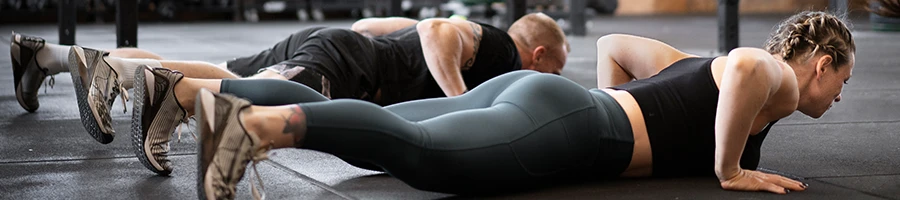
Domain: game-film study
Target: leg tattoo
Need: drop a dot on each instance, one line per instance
(295, 123)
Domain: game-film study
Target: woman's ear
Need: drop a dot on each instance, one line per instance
(823, 64)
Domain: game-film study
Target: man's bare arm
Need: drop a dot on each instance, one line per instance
(371, 27)
(442, 45)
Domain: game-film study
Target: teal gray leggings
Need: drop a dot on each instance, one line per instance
(517, 131)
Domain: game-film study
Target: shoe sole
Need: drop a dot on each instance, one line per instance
(137, 126)
(88, 118)
(20, 99)
(204, 107)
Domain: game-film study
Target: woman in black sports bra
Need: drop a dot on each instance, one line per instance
(663, 113)
(687, 109)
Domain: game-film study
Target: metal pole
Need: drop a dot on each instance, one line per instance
(728, 25)
(516, 9)
(395, 9)
(67, 20)
(576, 17)
(126, 23)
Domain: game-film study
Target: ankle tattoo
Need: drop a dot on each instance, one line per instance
(295, 123)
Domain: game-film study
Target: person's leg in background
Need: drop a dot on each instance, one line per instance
(109, 75)
(250, 66)
(103, 82)
(134, 53)
(94, 70)
(34, 59)
(99, 78)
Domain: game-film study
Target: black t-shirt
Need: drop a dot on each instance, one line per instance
(406, 76)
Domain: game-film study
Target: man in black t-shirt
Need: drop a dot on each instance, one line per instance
(401, 59)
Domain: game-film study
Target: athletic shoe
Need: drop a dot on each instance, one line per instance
(156, 115)
(225, 147)
(96, 88)
(27, 74)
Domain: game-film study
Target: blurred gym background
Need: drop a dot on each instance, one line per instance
(487, 11)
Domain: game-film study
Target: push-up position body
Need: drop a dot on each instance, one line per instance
(666, 113)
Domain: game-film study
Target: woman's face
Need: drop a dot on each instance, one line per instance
(826, 88)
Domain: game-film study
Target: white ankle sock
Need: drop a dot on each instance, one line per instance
(54, 58)
(125, 67)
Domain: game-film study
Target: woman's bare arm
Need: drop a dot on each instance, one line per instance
(751, 78)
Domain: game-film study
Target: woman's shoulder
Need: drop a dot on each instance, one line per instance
(785, 99)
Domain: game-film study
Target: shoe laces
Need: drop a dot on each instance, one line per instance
(31, 39)
(256, 183)
(260, 193)
(256, 158)
(49, 83)
(185, 122)
(122, 93)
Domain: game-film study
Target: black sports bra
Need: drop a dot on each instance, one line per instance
(679, 107)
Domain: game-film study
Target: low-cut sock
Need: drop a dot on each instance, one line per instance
(125, 68)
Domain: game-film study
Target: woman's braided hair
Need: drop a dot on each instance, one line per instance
(803, 35)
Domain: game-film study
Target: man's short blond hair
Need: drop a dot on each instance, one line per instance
(538, 29)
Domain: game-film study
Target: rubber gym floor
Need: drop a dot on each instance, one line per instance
(853, 152)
